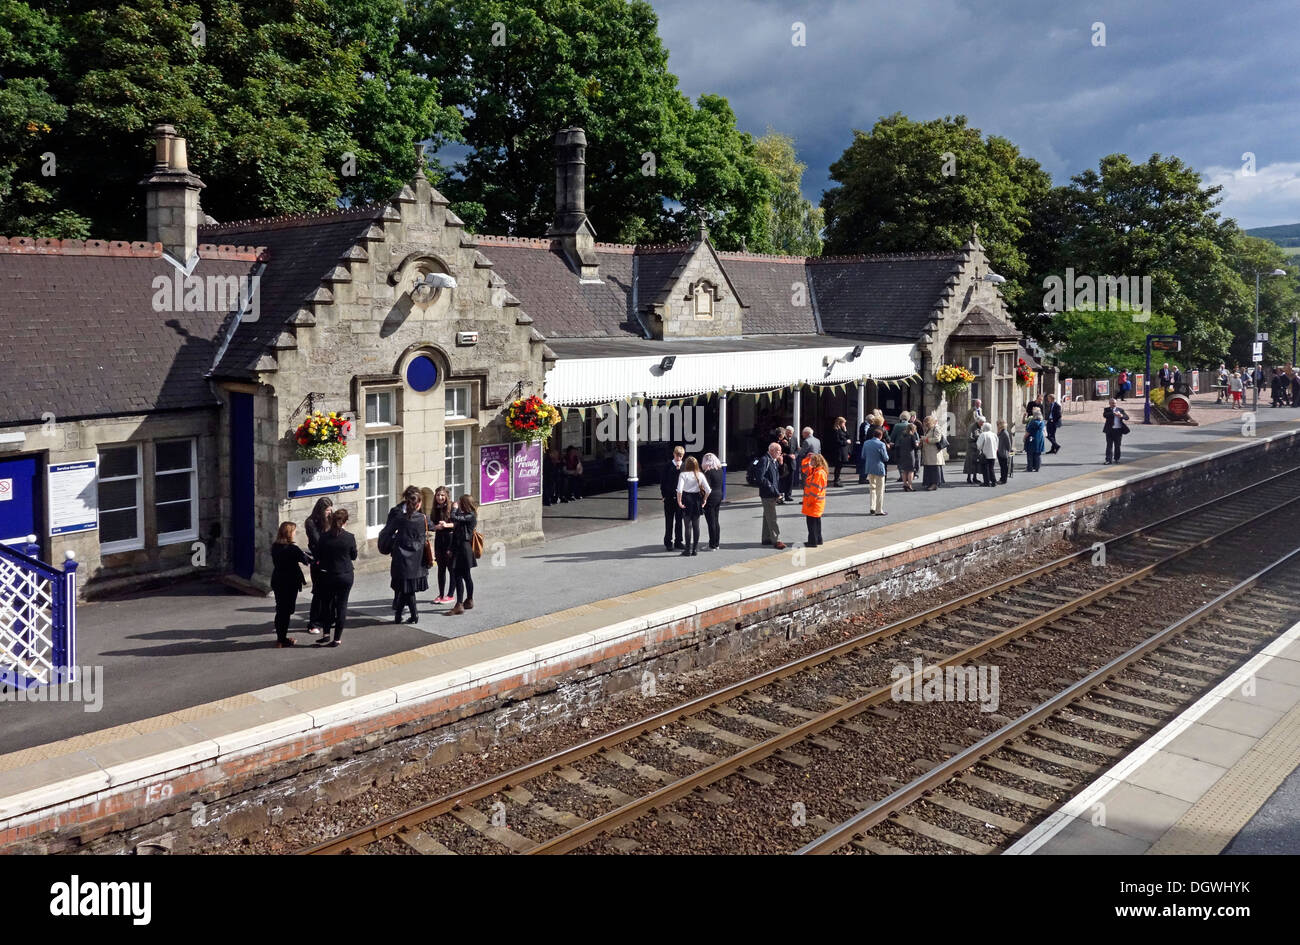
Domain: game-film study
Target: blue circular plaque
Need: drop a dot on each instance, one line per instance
(421, 373)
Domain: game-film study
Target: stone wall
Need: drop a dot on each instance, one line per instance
(676, 318)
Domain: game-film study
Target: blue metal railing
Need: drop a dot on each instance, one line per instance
(38, 618)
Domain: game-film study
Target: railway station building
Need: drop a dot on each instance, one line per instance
(151, 389)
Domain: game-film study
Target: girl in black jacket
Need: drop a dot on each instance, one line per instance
(287, 560)
(712, 467)
(316, 525)
(404, 537)
(442, 543)
(464, 519)
(338, 549)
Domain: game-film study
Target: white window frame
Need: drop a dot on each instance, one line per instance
(450, 391)
(975, 363)
(376, 524)
(466, 487)
(126, 544)
(380, 395)
(191, 533)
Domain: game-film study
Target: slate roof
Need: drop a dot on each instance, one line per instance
(885, 296)
(80, 336)
(301, 251)
(561, 305)
(981, 324)
(766, 284)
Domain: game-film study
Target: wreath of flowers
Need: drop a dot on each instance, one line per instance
(1024, 374)
(323, 436)
(953, 378)
(531, 419)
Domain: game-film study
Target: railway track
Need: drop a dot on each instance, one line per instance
(1039, 747)
(784, 717)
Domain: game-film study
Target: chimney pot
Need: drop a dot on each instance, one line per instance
(172, 212)
(571, 224)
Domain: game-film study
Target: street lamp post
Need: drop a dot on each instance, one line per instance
(1254, 341)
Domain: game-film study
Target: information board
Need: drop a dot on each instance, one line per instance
(74, 496)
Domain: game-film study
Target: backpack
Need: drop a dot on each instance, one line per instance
(752, 473)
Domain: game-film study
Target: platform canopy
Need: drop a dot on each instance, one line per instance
(603, 371)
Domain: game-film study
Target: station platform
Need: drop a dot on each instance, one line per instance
(193, 689)
(1222, 777)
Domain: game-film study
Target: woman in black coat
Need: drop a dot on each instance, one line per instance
(337, 551)
(842, 446)
(315, 526)
(287, 560)
(712, 467)
(464, 519)
(403, 537)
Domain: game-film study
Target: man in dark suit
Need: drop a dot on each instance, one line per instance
(1114, 425)
(1052, 414)
(668, 491)
(769, 491)
(1165, 376)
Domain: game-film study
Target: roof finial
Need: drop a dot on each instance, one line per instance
(420, 158)
(974, 231)
(703, 233)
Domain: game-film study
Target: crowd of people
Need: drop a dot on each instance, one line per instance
(1235, 385)
(426, 531)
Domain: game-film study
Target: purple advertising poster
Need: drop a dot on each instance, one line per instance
(494, 474)
(528, 470)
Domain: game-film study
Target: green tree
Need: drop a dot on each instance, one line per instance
(794, 222)
(1096, 342)
(909, 185)
(1156, 219)
(272, 97)
(520, 70)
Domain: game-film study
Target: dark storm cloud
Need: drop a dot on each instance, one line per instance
(1207, 81)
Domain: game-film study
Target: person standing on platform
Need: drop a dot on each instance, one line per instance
(1052, 414)
(895, 443)
(1115, 426)
(769, 491)
(988, 447)
(1035, 442)
(906, 444)
(972, 463)
(1122, 385)
(814, 496)
(551, 477)
(692, 492)
(668, 491)
(572, 475)
(338, 549)
(877, 460)
(711, 466)
(1295, 388)
(842, 445)
(287, 560)
(1004, 452)
(315, 527)
(404, 538)
(789, 464)
(464, 519)
(1165, 376)
(442, 543)
(1236, 386)
(931, 455)
(864, 434)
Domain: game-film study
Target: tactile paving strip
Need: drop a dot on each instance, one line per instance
(1210, 824)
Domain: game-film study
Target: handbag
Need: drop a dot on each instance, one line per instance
(426, 556)
(476, 543)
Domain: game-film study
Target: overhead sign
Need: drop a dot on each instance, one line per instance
(1168, 344)
(73, 496)
(321, 477)
(1262, 336)
(1257, 351)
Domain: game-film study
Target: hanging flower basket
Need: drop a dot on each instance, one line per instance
(1024, 374)
(323, 436)
(954, 379)
(531, 419)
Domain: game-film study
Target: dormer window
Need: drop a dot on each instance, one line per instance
(703, 300)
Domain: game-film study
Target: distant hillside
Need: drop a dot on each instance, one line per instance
(1287, 235)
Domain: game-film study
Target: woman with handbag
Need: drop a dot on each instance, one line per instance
(315, 527)
(932, 456)
(287, 560)
(441, 512)
(464, 519)
(406, 538)
(338, 549)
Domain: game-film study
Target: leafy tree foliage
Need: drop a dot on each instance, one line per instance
(795, 223)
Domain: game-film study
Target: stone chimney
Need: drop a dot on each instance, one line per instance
(571, 225)
(172, 211)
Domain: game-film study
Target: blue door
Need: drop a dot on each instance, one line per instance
(21, 499)
(242, 473)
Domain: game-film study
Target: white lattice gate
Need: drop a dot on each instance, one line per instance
(38, 619)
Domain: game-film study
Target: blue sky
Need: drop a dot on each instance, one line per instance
(1205, 80)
